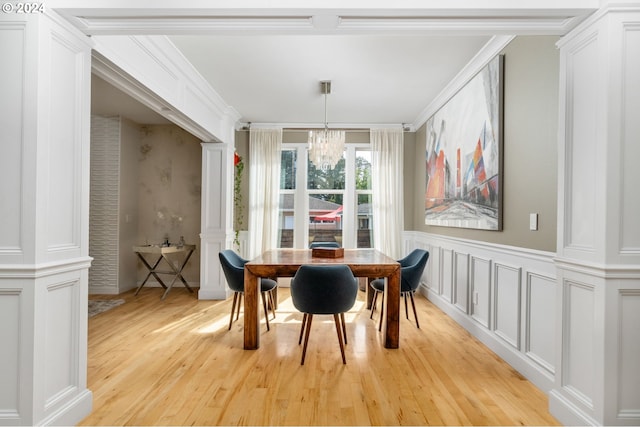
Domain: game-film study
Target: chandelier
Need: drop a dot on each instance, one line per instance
(326, 147)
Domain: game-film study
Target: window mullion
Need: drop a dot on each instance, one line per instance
(349, 200)
(301, 204)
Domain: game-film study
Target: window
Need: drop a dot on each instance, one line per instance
(331, 205)
(363, 196)
(286, 220)
(325, 190)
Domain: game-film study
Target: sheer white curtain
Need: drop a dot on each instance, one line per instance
(264, 184)
(388, 201)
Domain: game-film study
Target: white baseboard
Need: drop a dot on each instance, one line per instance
(567, 412)
(71, 413)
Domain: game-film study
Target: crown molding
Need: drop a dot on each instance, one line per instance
(482, 58)
(324, 24)
(477, 17)
(338, 126)
(189, 101)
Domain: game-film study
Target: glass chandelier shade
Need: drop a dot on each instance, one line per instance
(326, 146)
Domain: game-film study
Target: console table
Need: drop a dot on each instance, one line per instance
(161, 252)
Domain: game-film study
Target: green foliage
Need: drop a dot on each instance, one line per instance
(318, 179)
(363, 174)
(238, 207)
(288, 168)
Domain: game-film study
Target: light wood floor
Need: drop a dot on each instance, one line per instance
(173, 362)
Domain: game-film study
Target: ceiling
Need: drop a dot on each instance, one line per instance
(266, 59)
(374, 78)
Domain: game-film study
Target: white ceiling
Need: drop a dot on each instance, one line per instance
(387, 60)
(375, 78)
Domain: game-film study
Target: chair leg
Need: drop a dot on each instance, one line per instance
(344, 328)
(239, 304)
(336, 319)
(406, 308)
(415, 313)
(233, 308)
(266, 310)
(304, 322)
(306, 337)
(273, 302)
(373, 303)
(381, 313)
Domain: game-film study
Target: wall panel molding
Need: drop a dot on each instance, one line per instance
(628, 225)
(480, 290)
(540, 324)
(628, 372)
(12, 86)
(216, 217)
(461, 279)
(578, 343)
(11, 307)
(446, 276)
(497, 273)
(507, 321)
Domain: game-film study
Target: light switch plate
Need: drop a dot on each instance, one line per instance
(533, 221)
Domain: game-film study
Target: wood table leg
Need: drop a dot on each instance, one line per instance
(369, 292)
(251, 318)
(391, 322)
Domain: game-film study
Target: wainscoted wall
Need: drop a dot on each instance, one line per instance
(44, 219)
(504, 296)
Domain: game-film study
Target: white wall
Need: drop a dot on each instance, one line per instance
(504, 296)
(44, 188)
(598, 256)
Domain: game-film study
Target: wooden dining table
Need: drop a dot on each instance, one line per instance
(275, 263)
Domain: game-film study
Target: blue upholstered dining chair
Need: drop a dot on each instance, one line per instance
(323, 289)
(313, 245)
(233, 267)
(411, 269)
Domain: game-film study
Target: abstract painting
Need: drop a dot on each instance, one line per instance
(464, 155)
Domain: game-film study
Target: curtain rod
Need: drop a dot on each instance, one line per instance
(293, 127)
(246, 129)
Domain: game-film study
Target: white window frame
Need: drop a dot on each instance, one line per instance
(301, 199)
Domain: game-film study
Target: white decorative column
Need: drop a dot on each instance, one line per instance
(598, 365)
(217, 216)
(44, 214)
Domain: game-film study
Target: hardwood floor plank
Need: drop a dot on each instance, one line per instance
(174, 362)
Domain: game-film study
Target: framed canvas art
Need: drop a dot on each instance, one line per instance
(464, 155)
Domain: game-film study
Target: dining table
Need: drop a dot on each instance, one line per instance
(369, 263)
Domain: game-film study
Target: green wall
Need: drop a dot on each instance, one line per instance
(531, 69)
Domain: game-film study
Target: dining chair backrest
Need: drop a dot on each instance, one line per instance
(324, 289)
(412, 267)
(233, 267)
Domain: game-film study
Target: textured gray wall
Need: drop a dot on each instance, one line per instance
(170, 182)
